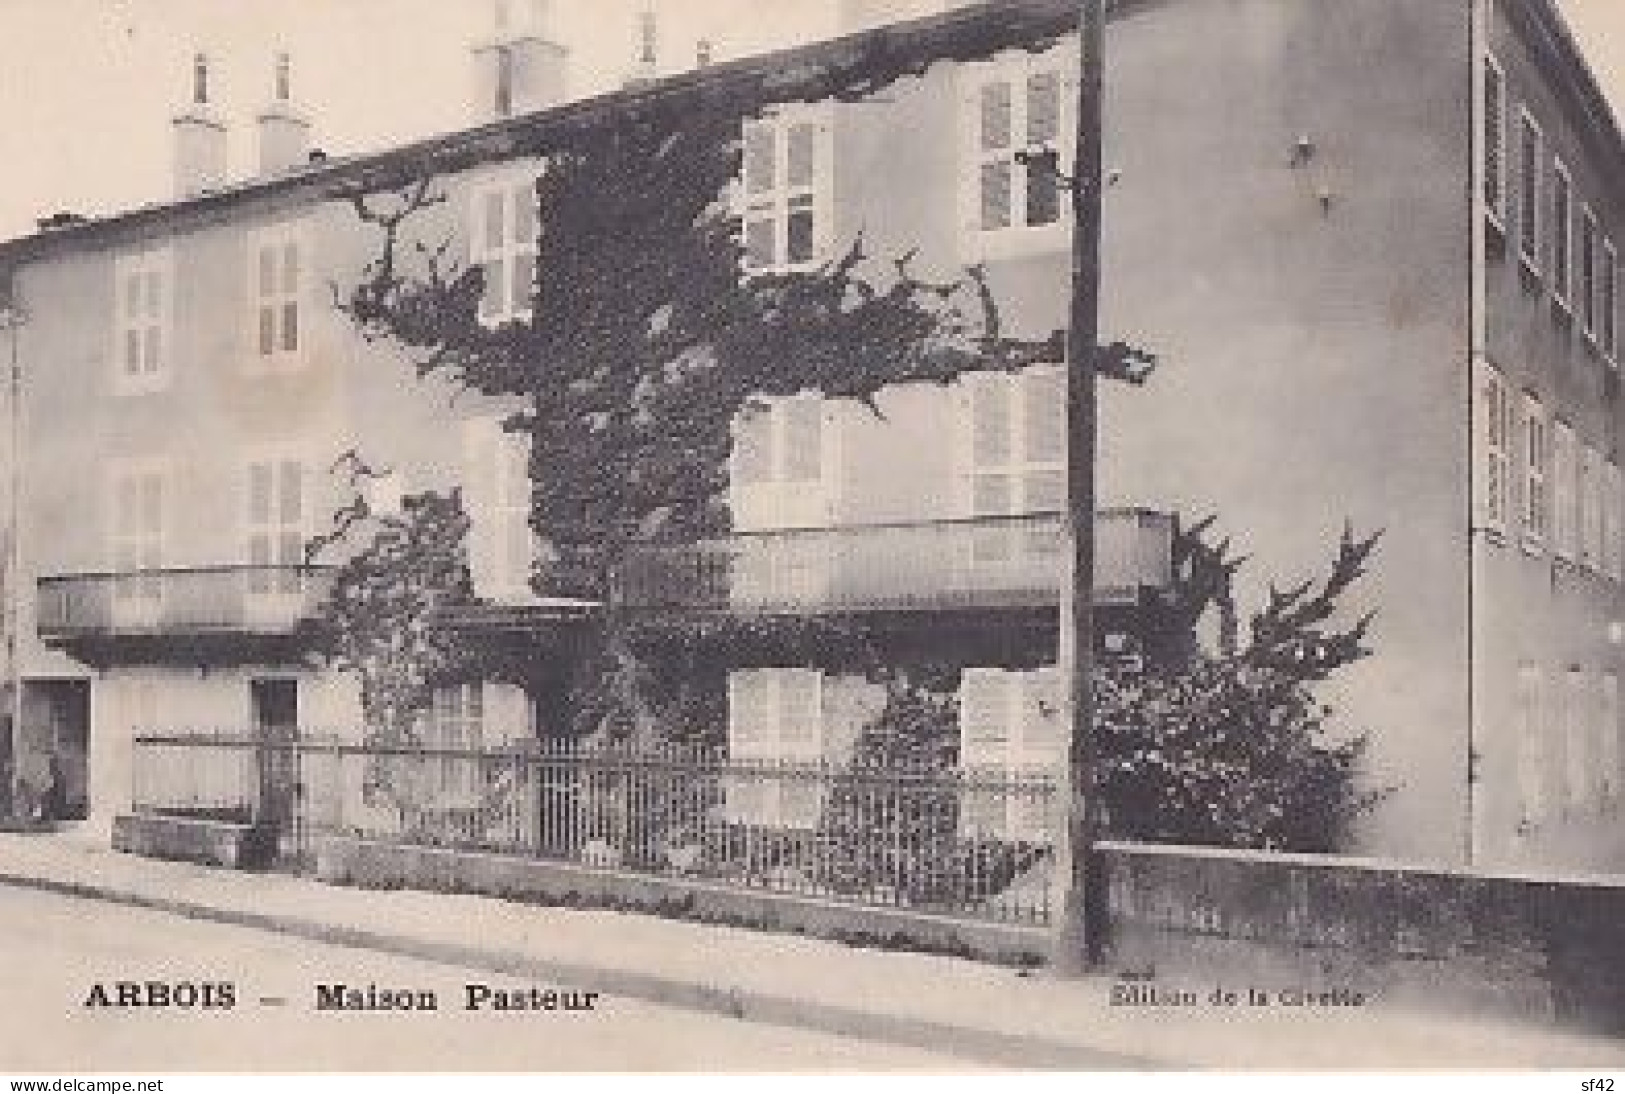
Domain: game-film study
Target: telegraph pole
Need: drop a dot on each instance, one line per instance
(1081, 916)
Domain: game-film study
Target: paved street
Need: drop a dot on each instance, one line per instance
(57, 949)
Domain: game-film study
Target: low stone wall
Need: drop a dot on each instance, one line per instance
(1293, 926)
(191, 839)
(350, 861)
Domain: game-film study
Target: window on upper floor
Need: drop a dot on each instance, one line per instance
(1588, 287)
(1562, 234)
(277, 273)
(1531, 168)
(503, 244)
(1012, 726)
(276, 525)
(1612, 548)
(1017, 467)
(1591, 521)
(1016, 127)
(496, 491)
(1494, 165)
(784, 466)
(1493, 429)
(1566, 499)
(1609, 303)
(1537, 471)
(138, 519)
(144, 321)
(776, 723)
(786, 192)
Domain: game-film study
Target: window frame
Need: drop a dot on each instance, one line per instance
(1565, 493)
(1494, 425)
(1532, 757)
(1015, 70)
(1531, 192)
(286, 579)
(279, 238)
(777, 203)
(1494, 175)
(779, 499)
(765, 790)
(516, 189)
(144, 265)
(1535, 515)
(1589, 258)
(138, 591)
(1562, 235)
(495, 474)
(1609, 305)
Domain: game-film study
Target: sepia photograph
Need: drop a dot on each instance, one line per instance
(834, 537)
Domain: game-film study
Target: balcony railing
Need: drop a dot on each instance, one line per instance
(268, 600)
(994, 562)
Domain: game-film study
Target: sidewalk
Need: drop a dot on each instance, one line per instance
(983, 1013)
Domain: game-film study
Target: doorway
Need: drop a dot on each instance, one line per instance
(275, 710)
(54, 748)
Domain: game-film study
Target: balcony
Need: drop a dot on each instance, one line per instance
(995, 562)
(266, 601)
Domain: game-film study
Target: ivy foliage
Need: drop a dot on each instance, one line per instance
(1218, 740)
(382, 616)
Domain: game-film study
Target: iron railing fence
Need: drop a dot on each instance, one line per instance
(250, 599)
(985, 562)
(973, 843)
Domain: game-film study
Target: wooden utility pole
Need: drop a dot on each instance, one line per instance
(1081, 916)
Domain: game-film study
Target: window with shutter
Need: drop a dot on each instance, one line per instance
(782, 468)
(1531, 167)
(1012, 734)
(1591, 495)
(1019, 139)
(1531, 746)
(1565, 508)
(1495, 435)
(503, 245)
(776, 728)
(1609, 320)
(455, 722)
(496, 494)
(278, 522)
(1574, 737)
(1562, 234)
(1610, 530)
(1494, 166)
(1537, 457)
(786, 197)
(1608, 737)
(278, 258)
(1017, 447)
(143, 319)
(138, 501)
(1589, 261)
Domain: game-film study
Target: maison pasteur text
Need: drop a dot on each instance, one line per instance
(472, 997)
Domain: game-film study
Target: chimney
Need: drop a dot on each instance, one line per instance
(284, 133)
(200, 139)
(704, 53)
(520, 68)
(647, 66)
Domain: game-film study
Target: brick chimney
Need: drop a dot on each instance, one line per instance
(520, 68)
(200, 138)
(284, 133)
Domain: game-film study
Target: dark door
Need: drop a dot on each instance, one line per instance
(276, 725)
(56, 727)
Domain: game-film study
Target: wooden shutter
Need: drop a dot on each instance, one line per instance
(1608, 737)
(1574, 737)
(480, 441)
(1494, 138)
(1531, 746)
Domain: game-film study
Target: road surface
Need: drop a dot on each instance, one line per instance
(63, 957)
